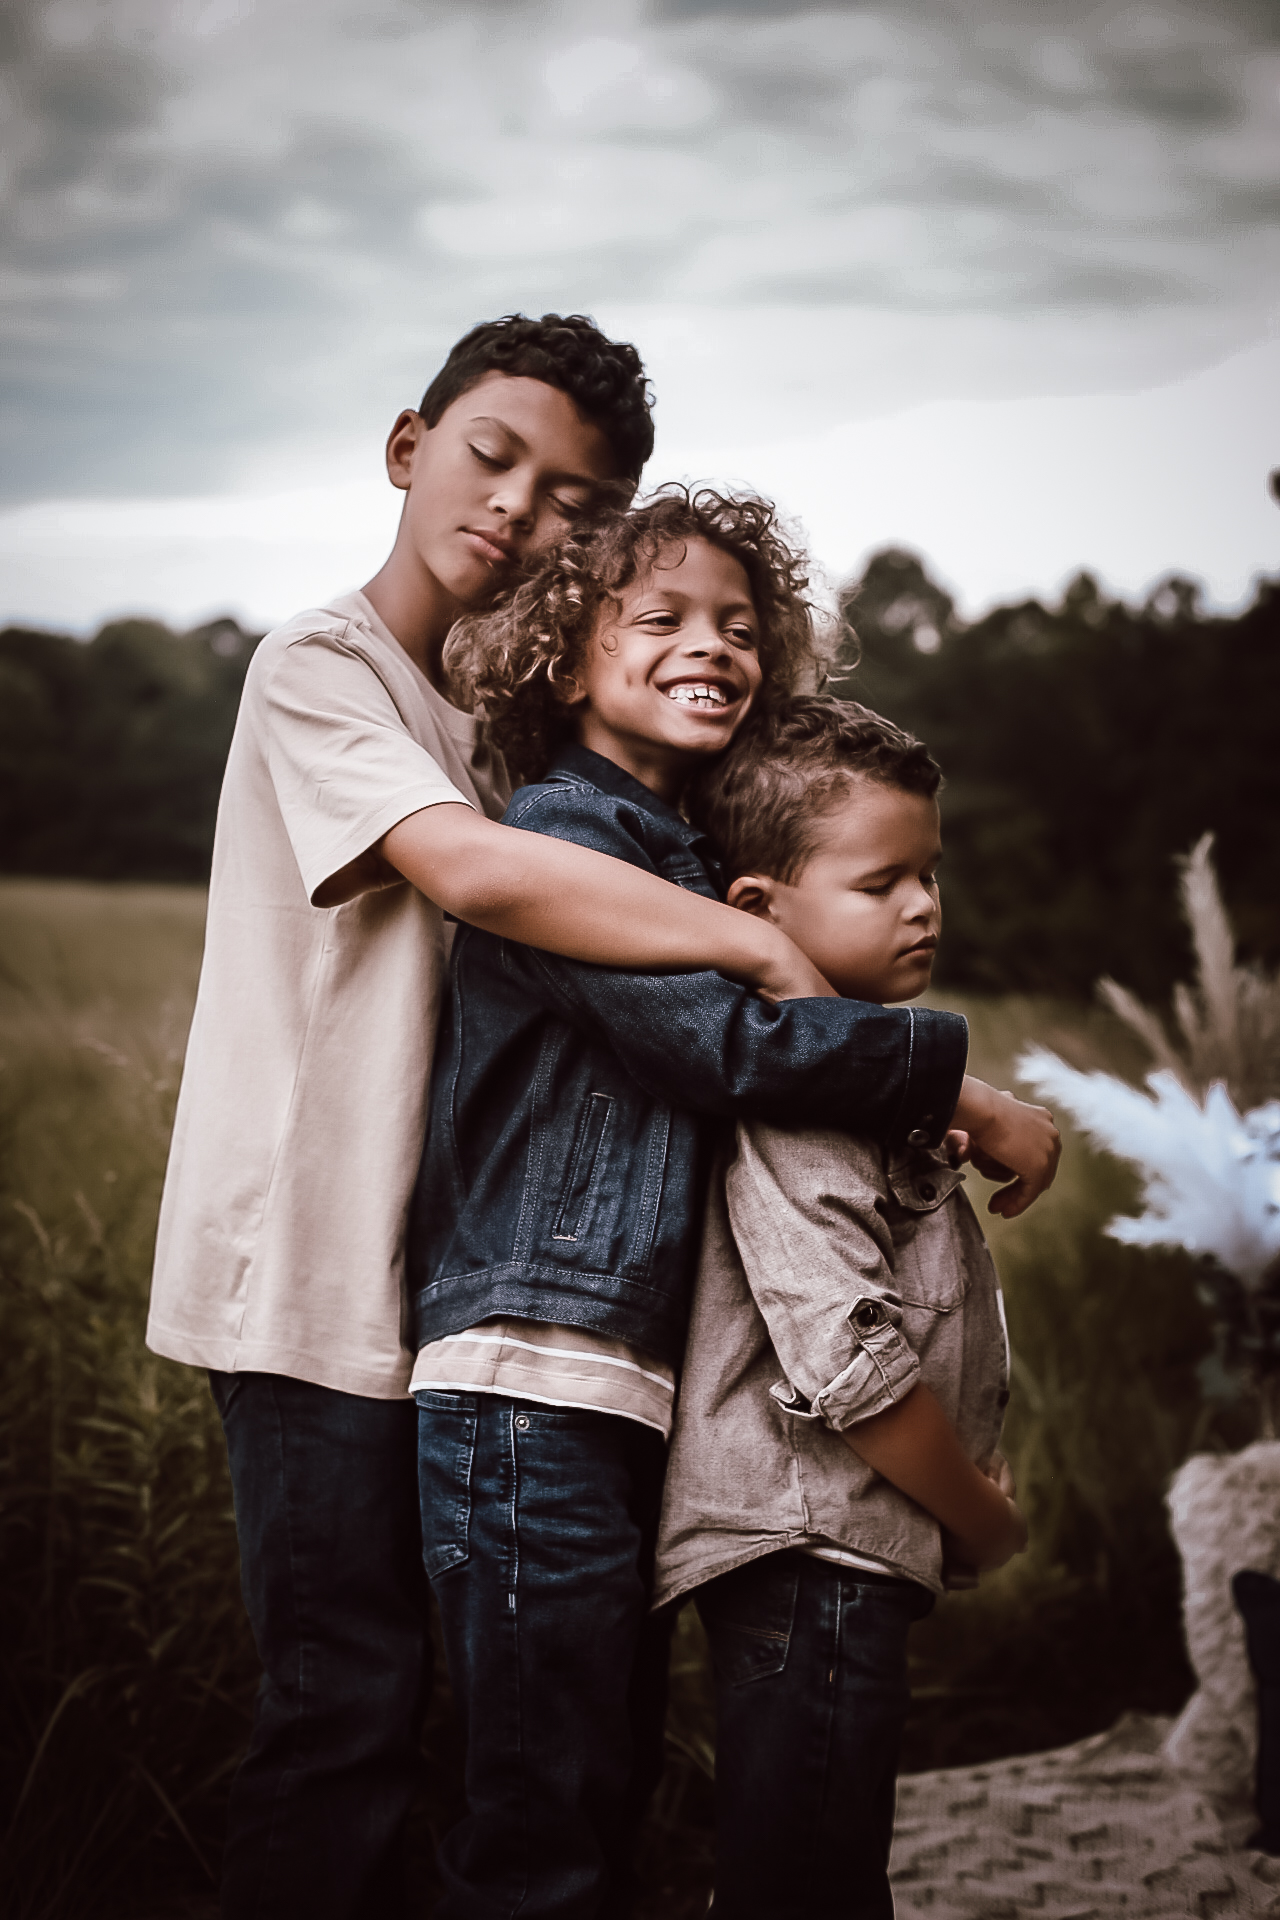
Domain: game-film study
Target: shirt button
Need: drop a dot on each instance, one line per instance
(917, 1137)
(927, 1190)
(522, 1421)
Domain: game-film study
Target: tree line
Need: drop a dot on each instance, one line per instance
(1085, 746)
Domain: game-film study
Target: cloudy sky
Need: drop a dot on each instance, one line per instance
(996, 279)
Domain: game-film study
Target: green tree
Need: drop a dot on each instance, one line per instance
(111, 751)
(1085, 746)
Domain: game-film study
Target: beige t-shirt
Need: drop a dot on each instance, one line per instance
(560, 1366)
(303, 1102)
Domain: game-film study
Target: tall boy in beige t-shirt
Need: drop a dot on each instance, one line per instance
(300, 1121)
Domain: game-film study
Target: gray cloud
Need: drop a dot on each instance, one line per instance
(230, 224)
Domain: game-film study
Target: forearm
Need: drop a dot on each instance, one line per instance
(1007, 1140)
(915, 1447)
(571, 900)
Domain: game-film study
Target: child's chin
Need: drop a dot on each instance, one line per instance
(912, 981)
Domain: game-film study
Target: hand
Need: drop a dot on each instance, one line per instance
(997, 1469)
(787, 973)
(1007, 1140)
(1003, 1536)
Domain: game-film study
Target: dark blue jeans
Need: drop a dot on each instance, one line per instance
(811, 1695)
(538, 1525)
(325, 1489)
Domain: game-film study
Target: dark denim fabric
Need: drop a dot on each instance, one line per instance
(564, 1173)
(811, 1695)
(326, 1504)
(538, 1527)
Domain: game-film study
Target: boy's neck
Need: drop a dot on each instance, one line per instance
(653, 766)
(416, 609)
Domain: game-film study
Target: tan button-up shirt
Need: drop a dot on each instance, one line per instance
(832, 1280)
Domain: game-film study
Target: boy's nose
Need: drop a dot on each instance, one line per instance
(704, 639)
(512, 497)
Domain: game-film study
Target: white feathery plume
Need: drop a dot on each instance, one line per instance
(1211, 1178)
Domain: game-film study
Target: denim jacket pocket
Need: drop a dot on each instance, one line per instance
(580, 1181)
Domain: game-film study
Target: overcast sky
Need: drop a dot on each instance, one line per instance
(997, 281)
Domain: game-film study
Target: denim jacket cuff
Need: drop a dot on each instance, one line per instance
(939, 1055)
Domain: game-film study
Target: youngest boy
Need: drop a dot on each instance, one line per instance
(833, 1460)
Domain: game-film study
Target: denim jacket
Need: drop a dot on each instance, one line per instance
(567, 1153)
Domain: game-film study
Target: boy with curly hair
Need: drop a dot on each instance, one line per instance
(555, 1226)
(360, 804)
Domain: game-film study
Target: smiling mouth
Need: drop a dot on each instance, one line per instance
(698, 693)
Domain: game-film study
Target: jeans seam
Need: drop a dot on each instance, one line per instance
(288, 1774)
(513, 1575)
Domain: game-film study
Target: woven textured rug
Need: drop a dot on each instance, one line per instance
(1098, 1829)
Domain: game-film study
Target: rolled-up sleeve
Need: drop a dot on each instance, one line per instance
(818, 1258)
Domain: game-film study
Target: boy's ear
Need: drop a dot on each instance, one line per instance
(566, 691)
(752, 893)
(402, 444)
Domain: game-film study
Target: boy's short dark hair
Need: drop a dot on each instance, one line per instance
(515, 660)
(604, 378)
(762, 800)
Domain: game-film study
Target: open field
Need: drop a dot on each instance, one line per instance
(127, 1669)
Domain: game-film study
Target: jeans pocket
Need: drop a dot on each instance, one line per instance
(876, 1617)
(748, 1615)
(446, 1451)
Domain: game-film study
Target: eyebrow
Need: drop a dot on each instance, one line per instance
(897, 866)
(744, 605)
(554, 479)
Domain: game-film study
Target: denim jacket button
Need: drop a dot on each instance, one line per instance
(917, 1137)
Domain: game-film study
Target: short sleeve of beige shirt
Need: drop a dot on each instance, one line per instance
(303, 1100)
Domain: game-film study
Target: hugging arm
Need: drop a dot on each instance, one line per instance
(575, 900)
(700, 1041)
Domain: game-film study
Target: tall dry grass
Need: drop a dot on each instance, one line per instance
(1227, 1021)
(124, 1658)
(126, 1666)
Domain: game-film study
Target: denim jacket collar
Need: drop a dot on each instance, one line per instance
(583, 766)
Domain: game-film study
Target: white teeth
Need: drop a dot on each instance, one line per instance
(694, 693)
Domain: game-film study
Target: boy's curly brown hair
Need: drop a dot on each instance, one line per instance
(513, 661)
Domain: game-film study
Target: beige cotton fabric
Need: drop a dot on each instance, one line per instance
(833, 1278)
(303, 1102)
(559, 1366)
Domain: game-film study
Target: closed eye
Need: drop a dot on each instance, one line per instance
(491, 461)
